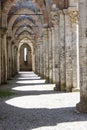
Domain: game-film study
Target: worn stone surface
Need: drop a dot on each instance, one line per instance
(38, 107)
(82, 106)
(50, 28)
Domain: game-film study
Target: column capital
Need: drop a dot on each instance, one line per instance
(73, 14)
(13, 42)
(9, 38)
(3, 30)
(55, 17)
(45, 30)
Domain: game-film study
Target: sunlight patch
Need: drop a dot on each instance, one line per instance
(78, 125)
(31, 82)
(25, 78)
(40, 87)
(44, 101)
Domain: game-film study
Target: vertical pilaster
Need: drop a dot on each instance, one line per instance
(4, 56)
(44, 54)
(46, 45)
(0, 43)
(57, 56)
(62, 51)
(0, 57)
(8, 57)
(68, 52)
(56, 48)
(53, 52)
(41, 58)
(82, 106)
(50, 56)
(36, 58)
(73, 14)
(13, 65)
(38, 49)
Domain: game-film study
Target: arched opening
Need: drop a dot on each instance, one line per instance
(25, 58)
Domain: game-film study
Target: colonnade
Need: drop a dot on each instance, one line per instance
(8, 57)
(58, 53)
(56, 50)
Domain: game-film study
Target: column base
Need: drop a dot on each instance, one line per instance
(56, 88)
(82, 107)
(75, 89)
(50, 80)
(68, 89)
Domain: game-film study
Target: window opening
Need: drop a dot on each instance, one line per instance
(25, 54)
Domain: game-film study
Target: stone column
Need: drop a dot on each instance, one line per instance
(44, 55)
(0, 43)
(68, 52)
(50, 56)
(9, 55)
(37, 58)
(62, 52)
(73, 14)
(41, 58)
(4, 56)
(56, 49)
(15, 59)
(13, 65)
(0, 58)
(38, 50)
(53, 53)
(46, 45)
(11, 59)
(82, 106)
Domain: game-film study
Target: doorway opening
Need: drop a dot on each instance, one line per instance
(25, 58)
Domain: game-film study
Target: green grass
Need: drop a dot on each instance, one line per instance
(5, 93)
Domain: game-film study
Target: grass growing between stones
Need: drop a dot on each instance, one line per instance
(5, 93)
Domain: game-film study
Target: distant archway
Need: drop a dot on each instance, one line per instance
(25, 58)
(26, 43)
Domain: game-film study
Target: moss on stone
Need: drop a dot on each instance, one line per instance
(5, 93)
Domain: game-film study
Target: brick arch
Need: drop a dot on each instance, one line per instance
(22, 37)
(14, 28)
(21, 11)
(21, 28)
(9, 3)
(25, 32)
(14, 17)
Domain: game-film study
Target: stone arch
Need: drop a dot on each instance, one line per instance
(23, 37)
(13, 21)
(23, 11)
(23, 21)
(35, 28)
(8, 4)
(32, 49)
(24, 31)
(21, 27)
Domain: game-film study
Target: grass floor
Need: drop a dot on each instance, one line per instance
(5, 93)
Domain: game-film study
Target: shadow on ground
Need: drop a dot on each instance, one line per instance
(13, 118)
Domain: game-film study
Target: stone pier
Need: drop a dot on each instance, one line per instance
(82, 106)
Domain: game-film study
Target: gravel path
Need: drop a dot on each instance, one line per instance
(35, 106)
